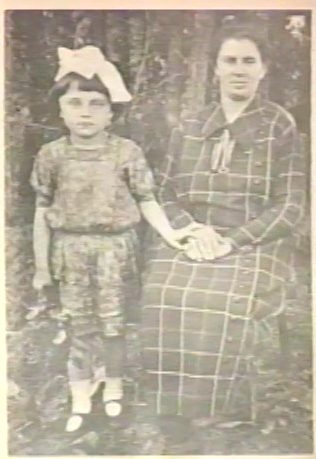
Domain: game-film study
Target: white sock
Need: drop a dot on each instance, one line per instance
(80, 395)
(113, 389)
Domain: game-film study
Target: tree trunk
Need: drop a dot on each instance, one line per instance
(17, 117)
(137, 42)
(116, 37)
(194, 97)
(176, 68)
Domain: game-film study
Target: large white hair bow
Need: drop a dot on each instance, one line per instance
(88, 62)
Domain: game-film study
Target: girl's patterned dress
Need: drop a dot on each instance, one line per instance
(91, 200)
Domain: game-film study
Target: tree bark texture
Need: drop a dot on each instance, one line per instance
(165, 60)
(194, 97)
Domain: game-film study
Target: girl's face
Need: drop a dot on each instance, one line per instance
(239, 68)
(85, 113)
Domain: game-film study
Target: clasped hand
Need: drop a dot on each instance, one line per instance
(200, 242)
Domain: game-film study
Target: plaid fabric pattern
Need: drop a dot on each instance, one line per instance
(201, 319)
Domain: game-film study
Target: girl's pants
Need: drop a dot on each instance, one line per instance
(96, 333)
(96, 273)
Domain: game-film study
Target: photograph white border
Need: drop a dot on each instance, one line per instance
(159, 5)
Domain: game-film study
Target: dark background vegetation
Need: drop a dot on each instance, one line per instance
(165, 58)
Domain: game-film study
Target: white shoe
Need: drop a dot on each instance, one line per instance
(60, 337)
(113, 408)
(74, 423)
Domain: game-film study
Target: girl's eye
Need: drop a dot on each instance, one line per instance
(74, 102)
(249, 60)
(229, 60)
(98, 103)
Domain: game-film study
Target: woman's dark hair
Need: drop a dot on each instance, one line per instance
(253, 31)
(93, 84)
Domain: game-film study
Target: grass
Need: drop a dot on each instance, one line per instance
(38, 396)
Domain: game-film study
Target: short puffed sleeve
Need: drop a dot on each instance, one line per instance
(139, 175)
(43, 176)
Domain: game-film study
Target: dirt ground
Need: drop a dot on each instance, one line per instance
(38, 399)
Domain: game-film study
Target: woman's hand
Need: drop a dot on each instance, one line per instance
(206, 244)
(42, 279)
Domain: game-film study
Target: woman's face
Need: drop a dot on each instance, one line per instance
(239, 68)
(85, 113)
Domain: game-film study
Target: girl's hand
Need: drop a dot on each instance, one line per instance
(177, 238)
(174, 238)
(42, 279)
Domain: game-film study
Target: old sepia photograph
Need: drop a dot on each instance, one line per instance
(158, 232)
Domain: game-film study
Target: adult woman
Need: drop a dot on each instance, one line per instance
(235, 168)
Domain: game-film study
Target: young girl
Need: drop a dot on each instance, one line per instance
(92, 187)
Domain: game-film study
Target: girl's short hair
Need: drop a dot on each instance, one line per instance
(253, 31)
(61, 86)
(93, 84)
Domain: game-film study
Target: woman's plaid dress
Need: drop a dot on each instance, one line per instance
(200, 319)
